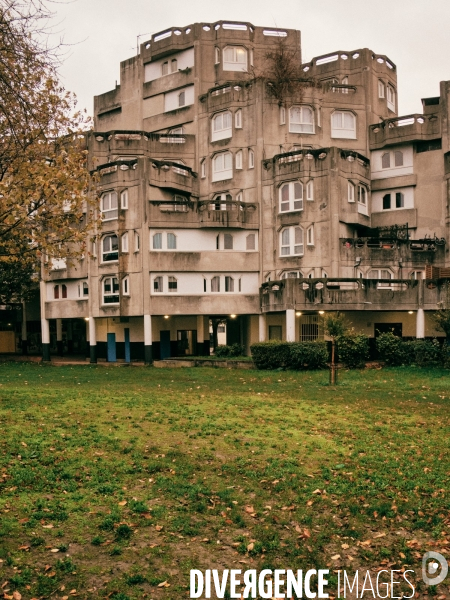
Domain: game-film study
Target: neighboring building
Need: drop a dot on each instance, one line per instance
(221, 201)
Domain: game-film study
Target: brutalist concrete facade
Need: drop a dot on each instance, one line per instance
(224, 200)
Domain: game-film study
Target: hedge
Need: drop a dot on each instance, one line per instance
(353, 349)
(224, 351)
(425, 353)
(289, 355)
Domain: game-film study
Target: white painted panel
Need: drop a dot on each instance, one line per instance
(377, 199)
(153, 70)
(379, 173)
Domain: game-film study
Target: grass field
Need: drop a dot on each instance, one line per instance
(115, 482)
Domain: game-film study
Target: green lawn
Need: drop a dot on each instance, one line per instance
(116, 480)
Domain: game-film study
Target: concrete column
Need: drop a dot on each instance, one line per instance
(69, 336)
(59, 337)
(148, 351)
(24, 329)
(262, 328)
(290, 325)
(92, 340)
(45, 328)
(202, 335)
(420, 323)
(45, 324)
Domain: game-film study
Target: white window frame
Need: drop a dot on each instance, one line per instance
(137, 241)
(113, 293)
(394, 196)
(350, 191)
(251, 158)
(293, 204)
(292, 275)
(340, 130)
(282, 115)
(289, 246)
(238, 118)
(362, 192)
(221, 126)
(310, 190)
(380, 275)
(171, 280)
(203, 168)
(126, 286)
(108, 199)
(160, 237)
(238, 159)
(235, 58)
(310, 236)
(216, 55)
(160, 281)
(124, 242)
(390, 97)
(229, 284)
(303, 124)
(216, 280)
(109, 236)
(171, 245)
(381, 93)
(220, 171)
(248, 243)
(124, 200)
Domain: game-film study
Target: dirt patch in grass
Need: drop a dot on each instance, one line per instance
(117, 482)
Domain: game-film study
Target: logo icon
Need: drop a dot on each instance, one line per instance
(432, 562)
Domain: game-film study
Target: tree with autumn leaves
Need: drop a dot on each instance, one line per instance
(44, 180)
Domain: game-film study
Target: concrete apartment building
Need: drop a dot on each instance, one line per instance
(222, 199)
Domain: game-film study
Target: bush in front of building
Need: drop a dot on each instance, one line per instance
(289, 355)
(353, 349)
(425, 353)
(224, 351)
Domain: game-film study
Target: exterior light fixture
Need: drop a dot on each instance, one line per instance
(321, 312)
(410, 312)
(166, 316)
(298, 314)
(86, 318)
(232, 316)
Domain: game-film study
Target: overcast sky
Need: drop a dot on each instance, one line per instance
(414, 34)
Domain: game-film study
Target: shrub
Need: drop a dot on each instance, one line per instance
(289, 355)
(424, 353)
(308, 355)
(270, 355)
(389, 347)
(224, 351)
(353, 349)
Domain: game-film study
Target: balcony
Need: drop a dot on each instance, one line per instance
(167, 174)
(228, 213)
(404, 129)
(351, 294)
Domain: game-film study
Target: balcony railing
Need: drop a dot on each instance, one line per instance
(404, 129)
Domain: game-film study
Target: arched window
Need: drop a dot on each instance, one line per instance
(227, 241)
(386, 160)
(381, 274)
(158, 284)
(221, 202)
(310, 190)
(221, 126)
(126, 286)
(124, 199)
(229, 284)
(171, 241)
(234, 58)
(174, 65)
(398, 158)
(165, 68)
(343, 124)
(291, 241)
(111, 290)
(291, 196)
(250, 242)
(56, 292)
(173, 284)
(238, 118)
(157, 241)
(63, 291)
(110, 248)
(238, 159)
(251, 159)
(217, 55)
(390, 97)
(350, 191)
(310, 236)
(222, 166)
(301, 119)
(182, 99)
(125, 242)
(215, 284)
(109, 206)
